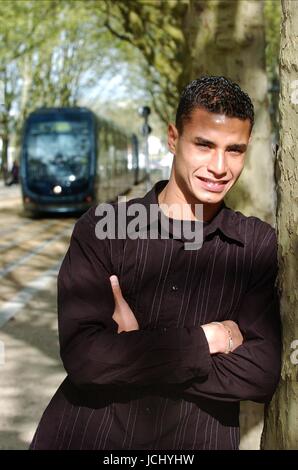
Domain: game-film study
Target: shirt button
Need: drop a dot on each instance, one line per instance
(148, 410)
(174, 288)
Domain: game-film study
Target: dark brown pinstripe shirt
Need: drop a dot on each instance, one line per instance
(158, 387)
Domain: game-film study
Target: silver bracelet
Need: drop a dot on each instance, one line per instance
(230, 346)
(230, 342)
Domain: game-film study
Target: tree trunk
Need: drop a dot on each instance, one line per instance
(4, 155)
(227, 38)
(281, 423)
(26, 68)
(4, 128)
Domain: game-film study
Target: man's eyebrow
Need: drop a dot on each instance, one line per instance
(238, 147)
(201, 140)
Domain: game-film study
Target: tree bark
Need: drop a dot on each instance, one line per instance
(4, 127)
(227, 38)
(281, 423)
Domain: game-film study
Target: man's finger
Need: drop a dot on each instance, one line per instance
(116, 289)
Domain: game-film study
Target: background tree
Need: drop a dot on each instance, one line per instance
(230, 41)
(183, 40)
(155, 28)
(53, 54)
(272, 15)
(157, 46)
(24, 26)
(281, 424)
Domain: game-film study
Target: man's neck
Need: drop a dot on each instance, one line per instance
(172, 195)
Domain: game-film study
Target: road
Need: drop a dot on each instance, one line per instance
(31, 251)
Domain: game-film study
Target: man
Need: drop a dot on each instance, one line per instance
(161, 343)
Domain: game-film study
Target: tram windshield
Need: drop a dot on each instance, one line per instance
(58, 150)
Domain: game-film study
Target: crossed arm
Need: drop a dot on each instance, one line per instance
(98, 348)
(217, 334)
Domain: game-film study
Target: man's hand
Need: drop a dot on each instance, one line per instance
(123, 315)
(218, 337)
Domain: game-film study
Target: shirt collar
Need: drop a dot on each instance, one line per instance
(224, 220)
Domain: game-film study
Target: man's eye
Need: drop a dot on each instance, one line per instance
(202, 145)
(235, 152)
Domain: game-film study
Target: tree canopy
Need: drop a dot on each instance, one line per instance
(55, 53)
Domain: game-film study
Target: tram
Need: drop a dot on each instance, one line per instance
(71, 158)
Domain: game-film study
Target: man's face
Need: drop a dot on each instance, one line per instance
(209, 154)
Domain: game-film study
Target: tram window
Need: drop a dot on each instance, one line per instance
(118, 153)
(111, 154)
(58, 149)
(113, 148)
(103, 151)
(124, 151)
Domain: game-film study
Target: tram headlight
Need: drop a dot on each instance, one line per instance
(57, 189)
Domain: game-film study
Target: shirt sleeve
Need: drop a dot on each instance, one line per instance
(92, 351)
(251, 371)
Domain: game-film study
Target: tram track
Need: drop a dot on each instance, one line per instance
(4, 247)
(34, 252)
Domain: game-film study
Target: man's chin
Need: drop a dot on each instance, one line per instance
(208, 197)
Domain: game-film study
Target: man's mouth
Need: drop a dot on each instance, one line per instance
(213, 185)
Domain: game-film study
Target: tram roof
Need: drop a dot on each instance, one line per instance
(80, 109)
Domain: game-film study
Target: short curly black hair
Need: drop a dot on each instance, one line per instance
(216, 94)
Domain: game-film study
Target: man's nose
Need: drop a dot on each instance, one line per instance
(218, 164)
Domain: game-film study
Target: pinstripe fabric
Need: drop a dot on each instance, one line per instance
(159, 388)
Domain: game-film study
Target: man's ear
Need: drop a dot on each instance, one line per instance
(172, 137)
